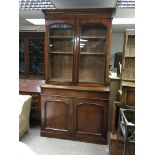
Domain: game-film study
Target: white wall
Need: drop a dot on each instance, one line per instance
(117, 40)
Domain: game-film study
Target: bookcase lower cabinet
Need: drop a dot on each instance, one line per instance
(74, 113)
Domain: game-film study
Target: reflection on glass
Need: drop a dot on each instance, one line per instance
(21, 56)
(36, 56)
(60, 52)
(93, 40)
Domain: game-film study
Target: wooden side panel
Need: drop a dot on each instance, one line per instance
(128, 96)
(76, 92)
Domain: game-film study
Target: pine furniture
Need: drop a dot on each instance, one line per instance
(126, 93)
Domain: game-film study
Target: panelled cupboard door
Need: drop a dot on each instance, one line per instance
(90, 118)
(56, 114)
(60, 51)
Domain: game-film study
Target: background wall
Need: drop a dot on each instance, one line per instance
(117, 40)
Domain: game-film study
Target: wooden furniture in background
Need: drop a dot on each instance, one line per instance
(127, 90)
(113, 134)
(31, 66)
(115, 114)
(31, 55)
(126, 93)
(114, 86)
(32, 87)
(75, 98)
(112, 145)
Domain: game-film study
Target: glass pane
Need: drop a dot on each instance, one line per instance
(61, 67)
(60, 52)
(92, 53)
(36, 56)
(93, 30)
(21, 56)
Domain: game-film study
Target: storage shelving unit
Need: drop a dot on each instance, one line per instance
(75, 98)
(127, 89)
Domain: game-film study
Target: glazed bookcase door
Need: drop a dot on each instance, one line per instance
(92, 55)
(61, 51)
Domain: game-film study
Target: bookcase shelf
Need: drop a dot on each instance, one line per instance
(92, 53)
(61, 37)
(61, 52)
(93, 37)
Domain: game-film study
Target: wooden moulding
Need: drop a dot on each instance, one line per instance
(100, 12)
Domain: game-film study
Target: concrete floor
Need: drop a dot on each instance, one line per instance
(53, 146)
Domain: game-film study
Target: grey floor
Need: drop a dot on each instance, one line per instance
(53, 146)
